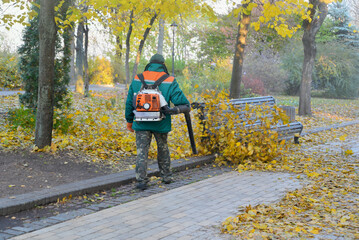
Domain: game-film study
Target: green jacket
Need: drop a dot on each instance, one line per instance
(169, 89)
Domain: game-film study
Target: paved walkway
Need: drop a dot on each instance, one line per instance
(194, 211)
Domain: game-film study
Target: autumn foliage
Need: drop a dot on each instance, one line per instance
(240, 134)
(323, 207)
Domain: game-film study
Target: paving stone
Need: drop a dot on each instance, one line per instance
(13, 232)
(183, 212)
(33, 226)
(63, 217)
(83, 211)
(93, 207)
(4, 236)
(22, 229)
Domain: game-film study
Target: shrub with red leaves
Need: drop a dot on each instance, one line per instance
(254, 84)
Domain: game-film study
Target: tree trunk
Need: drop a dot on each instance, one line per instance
(72, 62)
(86, 64)
(118, 58)
(310, 31)
(79, 58)
(128, 48)
(119, 47)
(161, 36)
(68, 49)
(142, 43)
(244, 21)
(47, 38)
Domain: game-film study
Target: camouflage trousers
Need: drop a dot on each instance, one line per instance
(143, 141)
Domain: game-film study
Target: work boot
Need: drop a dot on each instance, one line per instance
(141, 186)
(167, 180)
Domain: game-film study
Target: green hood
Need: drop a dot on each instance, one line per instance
(156, 67)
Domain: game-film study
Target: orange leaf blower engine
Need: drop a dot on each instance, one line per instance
(148, 104)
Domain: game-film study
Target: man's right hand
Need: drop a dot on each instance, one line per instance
(129, 127)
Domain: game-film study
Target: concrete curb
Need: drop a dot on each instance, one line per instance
(29, 200)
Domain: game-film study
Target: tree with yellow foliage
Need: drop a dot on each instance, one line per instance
(137, 17)
(273, 15)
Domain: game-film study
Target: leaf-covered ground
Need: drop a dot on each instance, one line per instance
(327, 207)
(98, 130)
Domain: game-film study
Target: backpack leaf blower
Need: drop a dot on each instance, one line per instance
(150, 105)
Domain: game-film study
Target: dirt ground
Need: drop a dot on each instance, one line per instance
(24, 171)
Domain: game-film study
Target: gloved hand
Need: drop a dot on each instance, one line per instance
(129, 127)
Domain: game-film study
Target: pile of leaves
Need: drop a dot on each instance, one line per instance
(240, 133)
(326, 207)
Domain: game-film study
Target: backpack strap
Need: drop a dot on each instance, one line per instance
(159, 81)
(155, 85)
(141, 77)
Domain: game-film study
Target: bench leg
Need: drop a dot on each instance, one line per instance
(296, 140)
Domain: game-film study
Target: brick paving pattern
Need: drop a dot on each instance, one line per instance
(194, 211)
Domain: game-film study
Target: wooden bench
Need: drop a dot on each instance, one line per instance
(285, 131)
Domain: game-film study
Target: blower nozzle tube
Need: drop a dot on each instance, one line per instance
(176, 110)
(185, 109)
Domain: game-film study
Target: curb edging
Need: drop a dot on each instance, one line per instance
(29, 200)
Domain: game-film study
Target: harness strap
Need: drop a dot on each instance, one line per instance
(159, 81)
(155, 85)
(140, 76)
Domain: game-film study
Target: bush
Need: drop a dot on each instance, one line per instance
(119, 72)
(254, 85)
(266, 68)
(101, 71)
(26, 119)
(179, 66)
(22, 117)
(200, 78)
(292, 63)
(337, 71)
(9, 76)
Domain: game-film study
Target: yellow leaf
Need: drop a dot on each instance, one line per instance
(344, 219)
(315, 230)
(348, 152)
(104, 118)
(313, 175)
(229, 227)
(252, 212)
(343, 137)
